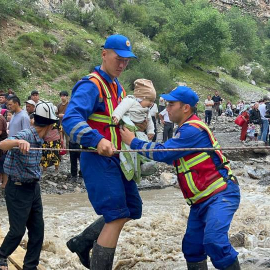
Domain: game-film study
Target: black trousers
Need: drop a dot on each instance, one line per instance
(208, 117)
(74, 158)
(167, 131)
(155, 128)
(25, 210)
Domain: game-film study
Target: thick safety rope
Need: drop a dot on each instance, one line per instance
(203, 149)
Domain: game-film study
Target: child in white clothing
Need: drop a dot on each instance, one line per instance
(134, 110)
(137, 107)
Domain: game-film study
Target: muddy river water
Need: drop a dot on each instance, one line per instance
(154, 241)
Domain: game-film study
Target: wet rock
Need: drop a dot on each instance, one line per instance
(265, 264)
(236, 164)
(238, 240)
(168, 179)
(51, 183)
(77, 190)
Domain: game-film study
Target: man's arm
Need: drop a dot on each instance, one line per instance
(83, 103)
(8, 144)
(190, 137)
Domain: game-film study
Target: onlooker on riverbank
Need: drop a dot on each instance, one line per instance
(20, 119)
(61, 109)
(35, 96)
(53, 139)
(245, 116)
(217, 101)
(167, 125)
(3, 100)
(228, 111)
(30, 107)
(22, 192)
(265, 121)
(3, 136)
(255, 119)
(209, 103)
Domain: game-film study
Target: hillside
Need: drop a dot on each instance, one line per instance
(53, 52)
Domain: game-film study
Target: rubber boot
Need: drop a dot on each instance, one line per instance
(234, 266)
(197, 265)
(102, 257)
(83, 243)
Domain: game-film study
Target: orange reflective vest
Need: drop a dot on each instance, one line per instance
(198, 176)
(102, 121)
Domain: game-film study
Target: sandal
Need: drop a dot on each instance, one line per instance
(3, 263)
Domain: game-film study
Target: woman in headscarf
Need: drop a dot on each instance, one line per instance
(245, 116)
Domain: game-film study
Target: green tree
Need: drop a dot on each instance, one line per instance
(195, 31)
(244, 33)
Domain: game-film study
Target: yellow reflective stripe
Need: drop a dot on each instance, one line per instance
(100, 118)
(104, 118)
(205, 126)
(214, 143)
(114, 137)
(198, 159)
(210, 189)
(189, 178)
(103, 84)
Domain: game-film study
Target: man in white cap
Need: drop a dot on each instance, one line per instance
(88, 122)
(22, 191)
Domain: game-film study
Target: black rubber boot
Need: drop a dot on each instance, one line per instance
(102, 257)
(234, 266)
(197, 265)
(83, 243)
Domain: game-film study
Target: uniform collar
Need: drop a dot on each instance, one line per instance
(103, 74)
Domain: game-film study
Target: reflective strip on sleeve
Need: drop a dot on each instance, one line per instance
(75, 128)
(152, 146)
(144, 148)
(81, 133)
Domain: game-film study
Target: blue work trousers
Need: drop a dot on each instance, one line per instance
(208, 226)
(110, 193)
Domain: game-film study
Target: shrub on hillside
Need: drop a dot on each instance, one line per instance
(158, 73)
(74, 48)
(257, 74)
(238, 74)
(103, 21)
(71, 11)
(229, 88)
(8, 8)
(10, 73)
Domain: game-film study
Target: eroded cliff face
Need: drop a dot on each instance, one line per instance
(55, 5)
(258, 8)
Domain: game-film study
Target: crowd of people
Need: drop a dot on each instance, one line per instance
(14, 118)
(254, 114)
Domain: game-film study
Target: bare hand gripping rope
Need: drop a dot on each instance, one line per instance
(161, 150)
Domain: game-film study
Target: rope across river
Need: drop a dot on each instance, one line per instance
(160, 150)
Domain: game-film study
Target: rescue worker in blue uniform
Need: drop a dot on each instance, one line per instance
(88, 122)
(205, 179)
